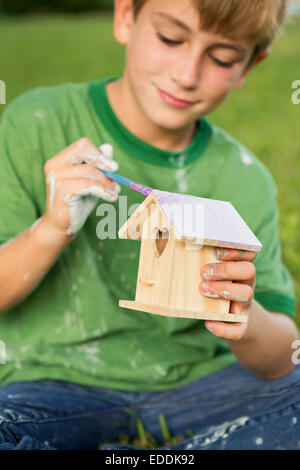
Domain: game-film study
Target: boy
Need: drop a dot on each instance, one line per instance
(76, 362)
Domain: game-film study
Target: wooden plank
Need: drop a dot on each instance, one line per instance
(171, 312)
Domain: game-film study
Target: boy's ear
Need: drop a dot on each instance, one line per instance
(262, 56)
(123, 20)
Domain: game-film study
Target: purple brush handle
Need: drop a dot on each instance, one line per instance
(140, 188)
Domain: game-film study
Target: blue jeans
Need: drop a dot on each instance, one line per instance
(230, 409)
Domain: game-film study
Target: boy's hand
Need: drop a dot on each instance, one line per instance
(241, 271)
(74, 184)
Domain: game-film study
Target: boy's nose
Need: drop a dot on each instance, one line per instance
(186, 73)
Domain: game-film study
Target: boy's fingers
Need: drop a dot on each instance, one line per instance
(227, 330)
(74, 189)
(80, 172)
(82, 151)
(229, 254)
(98, 159)
(234, 271)
(96, 191)
(227, 290)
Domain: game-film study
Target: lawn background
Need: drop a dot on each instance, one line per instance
(47, 50)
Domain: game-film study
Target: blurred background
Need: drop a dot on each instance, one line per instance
(51, 42)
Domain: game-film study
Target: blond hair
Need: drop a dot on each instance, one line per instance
(256, 21)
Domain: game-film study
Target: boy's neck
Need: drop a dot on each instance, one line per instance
(135, 121)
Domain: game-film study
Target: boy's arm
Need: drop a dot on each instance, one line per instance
(264, 344)
(26, 259)
(70, 176)
(266, 348)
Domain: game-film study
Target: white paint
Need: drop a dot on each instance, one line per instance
(220, 431)
(294, 420)
(259, 441)
(160, 370)
(92, 353)
(52, 181)
(83, 203)
(193, 246)
(225, 293)
(2, 92)
(89, 176)
(108, 150)
(3, 354)
(85, 200)
(77, 305)
(68, 318)
(246, 159)
(202, 218)
(34, 226)
(181, 181)
(39, 114)
(177, 160)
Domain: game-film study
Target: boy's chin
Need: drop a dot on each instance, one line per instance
(172, 123)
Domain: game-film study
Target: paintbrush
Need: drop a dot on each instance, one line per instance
(140, 188)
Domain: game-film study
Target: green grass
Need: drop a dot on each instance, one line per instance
(37, 51)
(144, 440)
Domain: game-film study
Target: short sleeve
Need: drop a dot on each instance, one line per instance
(274, 285)
(17, 208)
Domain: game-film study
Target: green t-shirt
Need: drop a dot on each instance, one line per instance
(71, 326)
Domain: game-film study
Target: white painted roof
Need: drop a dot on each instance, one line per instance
(208, 220)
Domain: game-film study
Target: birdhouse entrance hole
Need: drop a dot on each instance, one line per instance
(160, 241)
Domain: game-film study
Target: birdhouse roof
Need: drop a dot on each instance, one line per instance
(199, 220)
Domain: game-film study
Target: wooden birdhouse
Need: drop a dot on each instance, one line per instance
(178, 234)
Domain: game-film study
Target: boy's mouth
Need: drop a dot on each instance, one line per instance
(173, 101)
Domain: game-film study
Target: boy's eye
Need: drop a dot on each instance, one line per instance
(226, 65)
(170, 42)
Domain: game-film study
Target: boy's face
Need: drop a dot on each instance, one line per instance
(169, 57)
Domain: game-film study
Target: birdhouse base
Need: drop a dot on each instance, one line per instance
(171, 312)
